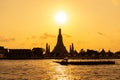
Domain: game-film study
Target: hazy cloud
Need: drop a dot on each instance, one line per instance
(100, 33)
(3, 39)
(34, 43)
(37, 44)
(82, 42)
(46, 35)
(67, 35)
(34, 37)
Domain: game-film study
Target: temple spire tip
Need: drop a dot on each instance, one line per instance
(59, 30)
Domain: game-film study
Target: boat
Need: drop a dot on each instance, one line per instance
(85, 62)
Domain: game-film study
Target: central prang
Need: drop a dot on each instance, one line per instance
(59, 50)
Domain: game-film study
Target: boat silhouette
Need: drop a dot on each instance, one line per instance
(85, 62)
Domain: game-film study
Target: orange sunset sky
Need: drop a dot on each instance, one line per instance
(90, 24)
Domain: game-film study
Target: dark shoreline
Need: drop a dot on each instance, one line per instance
(56, 58)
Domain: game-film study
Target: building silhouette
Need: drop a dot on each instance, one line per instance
(72, 51)
(47, 52)
(37, 52)
(59, 50)
(3, 51)
(19, 54)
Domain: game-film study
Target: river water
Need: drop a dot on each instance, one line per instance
(48, 70)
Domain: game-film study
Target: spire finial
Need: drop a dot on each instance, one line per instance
(59, 30)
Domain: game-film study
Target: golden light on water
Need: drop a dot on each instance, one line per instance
(61, 73)
(61, 17)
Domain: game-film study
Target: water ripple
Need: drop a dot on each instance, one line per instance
(48, 70)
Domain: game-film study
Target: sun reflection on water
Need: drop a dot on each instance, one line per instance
(61, 72)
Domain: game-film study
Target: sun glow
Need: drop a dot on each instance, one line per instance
(61, 17)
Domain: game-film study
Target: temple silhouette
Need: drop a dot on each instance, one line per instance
(59, 50)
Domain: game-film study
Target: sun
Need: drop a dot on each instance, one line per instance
(61, 17)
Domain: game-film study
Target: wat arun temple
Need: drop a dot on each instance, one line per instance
(60, 50)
